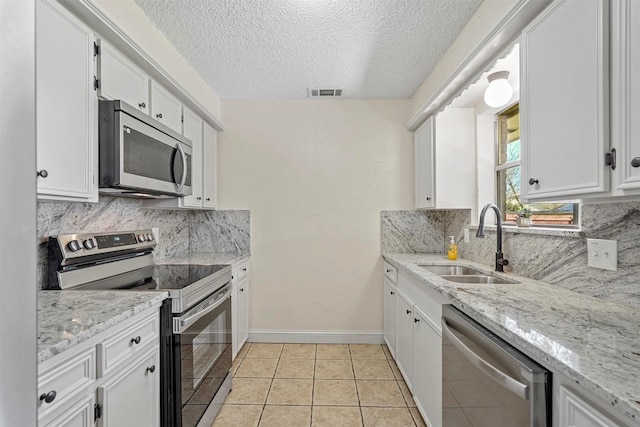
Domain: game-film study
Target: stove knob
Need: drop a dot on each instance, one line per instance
(149, 237)
(74, 245)
(89, 244)
(141, 238)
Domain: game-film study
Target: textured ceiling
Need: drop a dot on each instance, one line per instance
(276, 49)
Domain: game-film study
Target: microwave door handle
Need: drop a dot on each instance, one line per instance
(183, 179)
(511, 384)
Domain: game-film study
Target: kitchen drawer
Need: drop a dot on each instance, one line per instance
(127, 342)
(391, 272)
(68, 379)
(239, 270)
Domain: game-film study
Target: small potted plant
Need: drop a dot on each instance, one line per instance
(524, 218)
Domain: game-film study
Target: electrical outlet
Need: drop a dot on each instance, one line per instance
(602, 254)
(156, 233)
(466, 235)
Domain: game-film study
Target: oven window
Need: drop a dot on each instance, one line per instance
(205, 361)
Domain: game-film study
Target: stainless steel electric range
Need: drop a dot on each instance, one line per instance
(195, 342)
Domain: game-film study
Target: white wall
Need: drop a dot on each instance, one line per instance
(130, 19)
(315, 175)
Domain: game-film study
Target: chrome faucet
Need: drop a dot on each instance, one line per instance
(500, 260)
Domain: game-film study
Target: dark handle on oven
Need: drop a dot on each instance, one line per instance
(151, 368)
(136, 339)
(48, 397)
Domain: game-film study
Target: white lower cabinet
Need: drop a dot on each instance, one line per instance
(427, 368)
(390, 292)
(239, 306)
(75, 389)
(418, 340)
(132, 397)
(404, 337)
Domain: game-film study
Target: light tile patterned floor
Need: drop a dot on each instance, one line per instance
(303, 385)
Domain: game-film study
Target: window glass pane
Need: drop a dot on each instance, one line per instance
(513, 151)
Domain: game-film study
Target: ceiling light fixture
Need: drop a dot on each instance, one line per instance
(499, 91)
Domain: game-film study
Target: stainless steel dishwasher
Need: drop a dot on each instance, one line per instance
(486, 381)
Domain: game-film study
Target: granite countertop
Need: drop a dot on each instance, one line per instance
(593, 342)
(205, 258)
(67, 318)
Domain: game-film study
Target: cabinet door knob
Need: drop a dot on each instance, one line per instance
(635, 162)
(408, 311)
(532, 181)
(241, 289)
(428, 198)
(151, 368)
(159, 115)
(416, 320)
(199, 198)
(208, 199)
(136, 339)
(42, 173)
(142, 105)
(48, 397)
(392, 293)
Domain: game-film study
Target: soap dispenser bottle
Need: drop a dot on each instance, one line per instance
(452, 252)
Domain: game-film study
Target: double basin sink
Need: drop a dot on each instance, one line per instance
(462, 274)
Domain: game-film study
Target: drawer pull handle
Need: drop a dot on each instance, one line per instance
(136, 340)
(48, 397)
(151, 368)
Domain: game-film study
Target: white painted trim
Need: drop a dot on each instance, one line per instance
(500, 37)
(104, 26)
(316, 337)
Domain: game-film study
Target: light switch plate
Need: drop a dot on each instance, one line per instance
(156, 233)
(466, 235)
(602, 254)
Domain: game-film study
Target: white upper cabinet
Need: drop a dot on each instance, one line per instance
(209, 167)
(193, 132)
(66, 106)
(121, 79)
(444, 160)
(564, 101)
(625, 94)
(165, 107)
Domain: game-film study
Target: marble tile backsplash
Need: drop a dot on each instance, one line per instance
(421, 231)
(181, 231)
(559, 259)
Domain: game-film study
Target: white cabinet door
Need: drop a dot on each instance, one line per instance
(625, 96)
(165, 107)
(390, 292)
(121, 79)
(132, 398)
(424, 165)
(193, 132)
(78, 414)
(66, 106)
(575, 412)
(564, 100)
(404, 337)
(209, 165)
(427, 368)
(243, 311)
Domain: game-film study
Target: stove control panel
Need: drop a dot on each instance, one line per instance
(70, 248)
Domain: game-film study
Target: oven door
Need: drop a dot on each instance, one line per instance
(202, 358)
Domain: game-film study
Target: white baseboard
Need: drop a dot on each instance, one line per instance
(316, 337)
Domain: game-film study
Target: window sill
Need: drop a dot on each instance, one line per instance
(542, 231)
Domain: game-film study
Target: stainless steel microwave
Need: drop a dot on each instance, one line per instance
(140, 157)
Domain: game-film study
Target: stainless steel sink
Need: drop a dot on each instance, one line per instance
(451, 270)
(480, 279)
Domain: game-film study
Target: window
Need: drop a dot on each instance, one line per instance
(508, 180)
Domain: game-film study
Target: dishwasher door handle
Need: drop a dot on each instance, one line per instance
(511, 384)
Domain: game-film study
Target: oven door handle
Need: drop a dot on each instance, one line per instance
(188, 321)
(515, 386)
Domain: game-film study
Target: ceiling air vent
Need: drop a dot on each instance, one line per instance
(324, 93)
